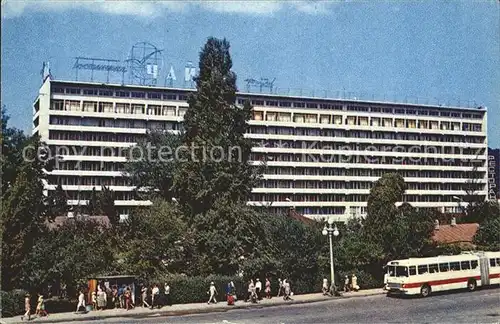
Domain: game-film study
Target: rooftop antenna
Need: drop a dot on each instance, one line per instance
(145, 64)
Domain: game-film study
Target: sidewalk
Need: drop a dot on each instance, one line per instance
(185, 309)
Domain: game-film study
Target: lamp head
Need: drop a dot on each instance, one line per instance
(336, 231)
(330, 220)
(325, 231)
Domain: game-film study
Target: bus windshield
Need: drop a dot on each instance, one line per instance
(397, 271)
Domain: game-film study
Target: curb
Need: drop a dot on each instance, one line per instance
(216, 309)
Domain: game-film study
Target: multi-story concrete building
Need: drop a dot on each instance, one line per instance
(322, 155)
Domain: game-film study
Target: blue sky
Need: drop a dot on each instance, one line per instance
(445, 49)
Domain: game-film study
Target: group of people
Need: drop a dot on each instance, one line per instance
(40, 307)
(350, 284)
(255, 290)
(105, 297)
(154, 295)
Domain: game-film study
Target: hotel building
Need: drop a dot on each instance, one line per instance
(322, 155)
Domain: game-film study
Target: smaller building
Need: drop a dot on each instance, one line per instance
(455, 234)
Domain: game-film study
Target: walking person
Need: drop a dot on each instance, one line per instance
(40, 307)
(168, 301)
(94, 300)
(325, 289)
(346, 283)
(268, 288)
(288, 290)
(212, 291)
(230, 294)
(128, 299)
(27, 307)
(258, 289)
(280, 286)
(354, 282)
(144, 296)
(121, 296)
(155, 293)
(251, 292)
(81, 301)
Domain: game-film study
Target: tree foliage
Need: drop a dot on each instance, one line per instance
(488, 234)
(217, 166)
(152, 163)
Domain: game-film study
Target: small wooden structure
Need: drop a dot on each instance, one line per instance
(109, 282)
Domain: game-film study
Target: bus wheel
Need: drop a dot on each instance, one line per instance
(425, 290)
(471, 285)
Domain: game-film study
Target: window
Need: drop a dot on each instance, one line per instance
(433, 113)
(465, 265)
(311, 105)
(272, 103)
(454, 266)
(492, 263)
(498, 262)
(183, 97)
(397, 271)
(413, 270)
(90, 92)
(433, 268)
(169, 96)
(285, 104)
(387, 110)
(422, 269)
(122, 94)
(375, 109)
(299, 104)
(72, 90)
(108, 93)
(455, 114)
(423, 112)
(399, 111)
(154, 95)
(258, 102)
(474, 264)
(444, 267)
(136, 94)
(58, 90)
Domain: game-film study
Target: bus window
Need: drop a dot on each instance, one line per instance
(498, 262)
(433, 268)
(474, 264)
(401, 271)
(492, 263)
(454, 266)
(444, 267)
(465, 265)
(422, 269)
(413, 271)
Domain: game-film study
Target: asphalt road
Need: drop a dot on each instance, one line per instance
(461, 307)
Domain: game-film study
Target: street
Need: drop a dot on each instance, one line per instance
(478, 307)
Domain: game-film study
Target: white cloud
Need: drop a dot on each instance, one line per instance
(152, 9)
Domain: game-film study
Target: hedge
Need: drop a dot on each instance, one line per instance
(12, 302)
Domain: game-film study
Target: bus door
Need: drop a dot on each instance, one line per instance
(484, 265)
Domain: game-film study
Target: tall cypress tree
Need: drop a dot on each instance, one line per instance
(216, 166)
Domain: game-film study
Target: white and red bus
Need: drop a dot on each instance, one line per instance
(425, 275)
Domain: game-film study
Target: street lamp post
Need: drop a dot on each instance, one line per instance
(331, 231)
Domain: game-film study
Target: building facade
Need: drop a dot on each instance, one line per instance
(322, 155)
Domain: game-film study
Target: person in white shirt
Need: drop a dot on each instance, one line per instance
(167, 295)
(81, 301)
(280, 286)
(155, 293)
(212, 291)
(258, 288)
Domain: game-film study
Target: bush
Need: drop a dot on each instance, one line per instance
(365, 279)
(185, 289)
(56, 305)
(12, 302)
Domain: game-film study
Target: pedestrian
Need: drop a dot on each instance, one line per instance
(288, 290)
(101, 299)
(268, 288)
(168, 301)
(144, 295)
(346, 283)
(354, 283)
(94, 300)
(81, 301)
(258, 289)
(324, 289)
(280, 286)
(27, 307)
(155, 293)
(128, 299)
(212, 291)
(114, 297)
(229, 294)
(121, 296)
(40, 307)
(251, 291)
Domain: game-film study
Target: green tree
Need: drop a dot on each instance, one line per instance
(79, 248)
(24, 205)
(152, 162)
(217, 164)
(93, 206)
(58, 202)
(155, 241)
(488, 234)
(106, 204)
